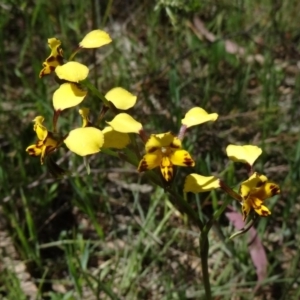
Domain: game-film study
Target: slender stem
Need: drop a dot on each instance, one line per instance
(183, 204)
(55, 118)
(95, 91)
(204, 246)
(107, 12)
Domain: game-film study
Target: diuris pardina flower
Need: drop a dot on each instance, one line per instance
(70, 74)
(112, 138)
(256, 188)
(54, 59)
(47, 141)
(254, 191)
(164, 151)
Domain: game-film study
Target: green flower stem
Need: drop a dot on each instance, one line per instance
(55, 118)
(110, 152)
(204, 247)
(244, 229)
(183, 204)
(230, 191)
(74, 53)
(95, 91)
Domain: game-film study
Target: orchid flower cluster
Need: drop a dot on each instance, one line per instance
(163, 150)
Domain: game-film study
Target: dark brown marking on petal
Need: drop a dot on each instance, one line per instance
(50, 59)
(52, 68)
(264, 213)
(151, 150)
(172, 145)
(143, 166)
(167, 173)
(31, 152)
(188, 161)
(274, 190)
(259, 184)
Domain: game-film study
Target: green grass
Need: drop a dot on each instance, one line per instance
(97, 237)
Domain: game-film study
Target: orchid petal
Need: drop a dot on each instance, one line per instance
(196, 183)
(245, 154)
(72, 71)
(182, 158)
(125, 123)
(115, 139)
(95, 39)
(121, 98)
(196, 116)
(67, 95)
(85, 140)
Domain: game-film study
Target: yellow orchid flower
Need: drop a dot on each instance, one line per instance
(55, 58)
(164, 151)
(254, 191)
(112, 138)
(46, 143)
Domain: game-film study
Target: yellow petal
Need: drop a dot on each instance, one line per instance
(33, 150)
(121, 98)
(125, 123)
(67, 95)
(196, 116)
(150, 161)
(261, 210)
(246, 208)
(245, 154)
(196, 183)
(153, 143)
(266, 190)
(95, 38)
(166, 168)
(54, 45)
(55, 59)
(84, 112)
(72, 71)
(40, 130)
(250, 184)
(115, 139)
(182, 158)
(162, 140)
(85, 141)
